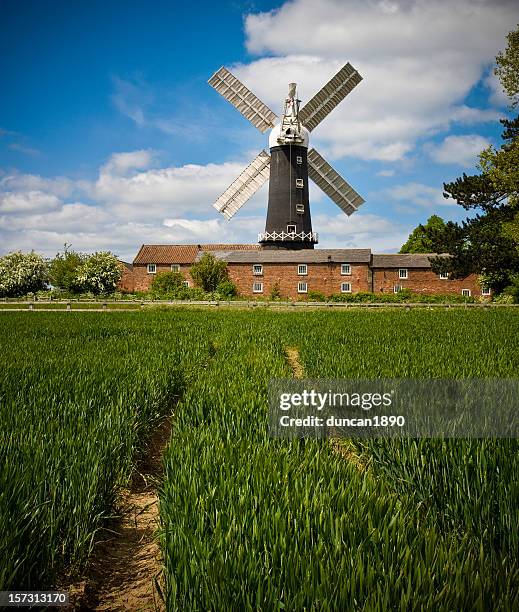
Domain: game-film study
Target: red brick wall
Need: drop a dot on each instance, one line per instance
(141, 280)
(422, 280)
(323, 277)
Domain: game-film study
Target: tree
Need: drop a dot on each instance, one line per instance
(167, 282)
(508, 67)
(209, 272)
(421, 238)
(22, 273)
(487, 243)
(63, 270)
(100, 273)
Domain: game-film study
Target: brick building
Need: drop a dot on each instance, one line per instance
(258, 272)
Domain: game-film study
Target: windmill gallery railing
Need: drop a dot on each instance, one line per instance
(284, 236)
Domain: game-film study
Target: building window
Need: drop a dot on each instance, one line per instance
(300, 209)
(257, 288)
(465, 292)
(345, 287)
(302, 287)
(257, 269)
(302, 269)
(152, 268)
(402, 273)
(299, 159)
(345, 269)
(300, 183)
(485, 290)
(291, 228)
(444, 275)
(175, 267)
(397, 288)
(185, 283)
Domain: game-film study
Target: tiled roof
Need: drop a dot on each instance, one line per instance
(295, 256)
(403, 260)
(182, 253)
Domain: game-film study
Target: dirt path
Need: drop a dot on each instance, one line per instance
(294, 361)
(125, 573)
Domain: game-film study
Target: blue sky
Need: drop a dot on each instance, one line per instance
(111, 137)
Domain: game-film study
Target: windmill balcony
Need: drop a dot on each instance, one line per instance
(289, 236)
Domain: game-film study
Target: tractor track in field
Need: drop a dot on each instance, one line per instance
(125, 571)
(341, 447)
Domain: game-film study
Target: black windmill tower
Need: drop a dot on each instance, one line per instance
(290, 162)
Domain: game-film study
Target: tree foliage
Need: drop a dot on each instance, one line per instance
(487, 243)
(63, 270)
(209, 272)
(421, 239)
(167, 282)
(100, 273)
(507, 69)
(22, 273)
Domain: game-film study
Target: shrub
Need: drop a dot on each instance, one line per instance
(275, 293)
(100, 273)
(226, 289)
(22, 273)
(64, 269)
(316, 296)
(512, 291)
(209, 272)
(166, 282)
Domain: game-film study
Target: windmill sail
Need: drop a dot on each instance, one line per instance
(250, 106)
(245, 186)
(332, 183)
(329, 96)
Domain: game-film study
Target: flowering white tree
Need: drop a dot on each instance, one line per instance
(22, 273)
(100, 273)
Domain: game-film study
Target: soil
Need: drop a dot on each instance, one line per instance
(126, 570)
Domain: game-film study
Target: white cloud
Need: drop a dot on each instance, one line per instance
(121, 163)
(419, 59)
(417, 194)
(27, 202)
(461, 150)
(386, 173)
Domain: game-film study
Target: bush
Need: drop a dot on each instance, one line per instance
(64, 269)
(209, 272)
(166, 282)
(275, 293)
(100, 273)
(316, 296)
(226, 289)
(22, 273)
(512, 291)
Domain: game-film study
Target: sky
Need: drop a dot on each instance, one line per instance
(110, 136)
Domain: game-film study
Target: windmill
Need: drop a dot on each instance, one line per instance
(290, 162)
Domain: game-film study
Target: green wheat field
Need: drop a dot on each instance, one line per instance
(249, 522)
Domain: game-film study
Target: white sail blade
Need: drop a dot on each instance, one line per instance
(329, 96)
(242, 98)
(245, 186)
(332, 183)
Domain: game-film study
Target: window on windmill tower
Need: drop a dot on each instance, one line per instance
(291, 229)
(300, 183)
(300, 209)
(299, 159)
